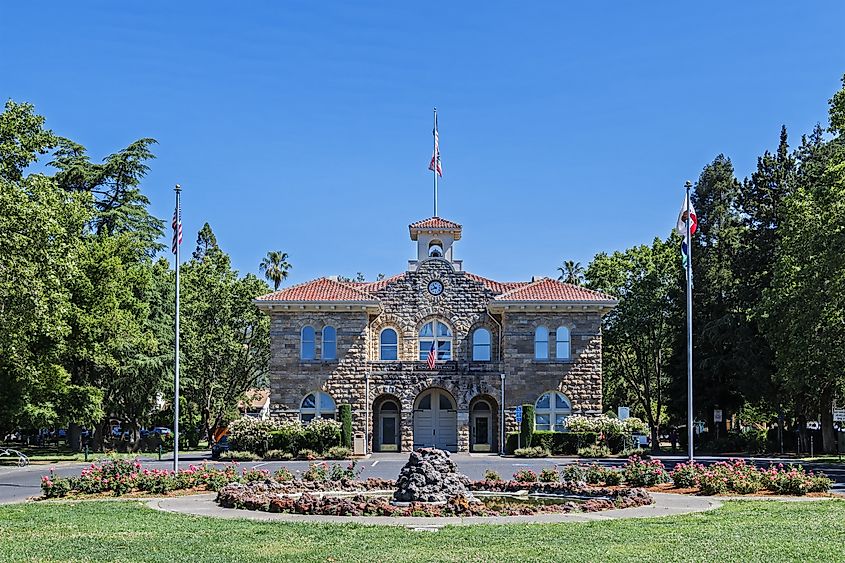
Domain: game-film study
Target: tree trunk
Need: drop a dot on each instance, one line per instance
(74, 437)
(828, 434)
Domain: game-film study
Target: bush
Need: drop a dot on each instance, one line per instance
(278, 455)
(526, 427)
(525, 476)
(574, 473)
(251, 434)
(644, 473)
(686, 475)
(346, 426)
(490, 475)
(338, 452)
(236, 455)
(548, 475)
(557, 443)
(321, 434)
(531, 452)
(595, 450)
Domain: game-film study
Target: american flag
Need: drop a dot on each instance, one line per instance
(435, 157)
(177, 228)
(432, 356)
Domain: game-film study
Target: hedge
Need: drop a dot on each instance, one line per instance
(346, 426)
(558, 443)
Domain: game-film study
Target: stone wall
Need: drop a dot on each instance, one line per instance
(407, 306)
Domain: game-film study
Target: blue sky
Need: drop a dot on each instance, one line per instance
(306, 127)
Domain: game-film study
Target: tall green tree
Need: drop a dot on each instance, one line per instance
(638, 333)
(275, 267)
(225, 338)
(571, 272)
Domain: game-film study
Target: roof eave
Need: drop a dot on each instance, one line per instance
(288, 306)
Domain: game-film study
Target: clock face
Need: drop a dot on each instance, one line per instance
(435, 287)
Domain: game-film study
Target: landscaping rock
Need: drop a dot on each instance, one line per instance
(431, 476)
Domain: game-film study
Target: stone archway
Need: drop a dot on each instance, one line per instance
(436, 420)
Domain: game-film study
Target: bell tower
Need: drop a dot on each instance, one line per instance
(435, 238)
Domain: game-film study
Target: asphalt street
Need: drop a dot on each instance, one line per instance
(18, 484)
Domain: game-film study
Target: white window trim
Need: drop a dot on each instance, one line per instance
(552, 411)
(317, 411)
(323, 344)
(302, 342)
(396, 332)
(489, 344)
(437, 340)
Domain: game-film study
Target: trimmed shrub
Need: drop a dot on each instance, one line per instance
(346, 426)
(557, 443)
(536, 451)
(526, 428)
(338, 452)
(490, 475)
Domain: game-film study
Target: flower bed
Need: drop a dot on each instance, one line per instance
(271, 496)
(739, 477)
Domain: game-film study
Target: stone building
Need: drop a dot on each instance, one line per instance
(436, 355)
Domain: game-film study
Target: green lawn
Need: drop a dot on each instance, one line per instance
(128, 531)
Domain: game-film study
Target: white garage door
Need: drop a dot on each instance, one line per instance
(436, 421)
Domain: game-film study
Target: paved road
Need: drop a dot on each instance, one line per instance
(18, 484)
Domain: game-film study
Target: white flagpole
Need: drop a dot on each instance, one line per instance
(688, 185)
(434, 135)
(178, 190)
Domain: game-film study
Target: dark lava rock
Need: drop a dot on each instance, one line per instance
(430, 476)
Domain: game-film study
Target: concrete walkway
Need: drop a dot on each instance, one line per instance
(664, 505)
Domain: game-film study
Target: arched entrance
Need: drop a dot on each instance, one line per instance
(436, 420)
(483, 424)
(387, 434)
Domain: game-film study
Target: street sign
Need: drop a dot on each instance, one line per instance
(717, 415)
(838, 415)
(517, 412)
(624, 413)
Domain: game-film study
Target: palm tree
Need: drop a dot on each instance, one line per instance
(275, 267)
(571, 272)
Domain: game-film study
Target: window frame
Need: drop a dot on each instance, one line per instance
(317, 411)
(312, 342)
(538, 344)
(381, 345)
(552, 412)
(488, 345)
(559, 342)
(437, 339)
(323, 341)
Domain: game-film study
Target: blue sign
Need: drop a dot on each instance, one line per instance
(518, 413)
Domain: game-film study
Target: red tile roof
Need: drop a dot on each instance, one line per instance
(435, 223)
(493, 285)
(321, 289)
(547, 289)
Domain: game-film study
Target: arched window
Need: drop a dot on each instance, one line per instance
(551, 410)
(329, 343)
(307, 348)
(435, 249)
(438, 335)
(541, 343)
(562, 343)
(481, 345)
(388, 345)
(317, 405)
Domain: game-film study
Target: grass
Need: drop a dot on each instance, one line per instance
(129, 531)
